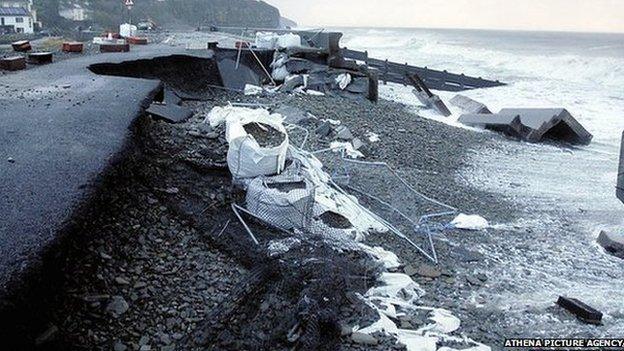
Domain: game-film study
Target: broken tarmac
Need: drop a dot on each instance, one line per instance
(61, 129)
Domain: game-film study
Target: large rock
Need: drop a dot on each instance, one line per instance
(613, 243)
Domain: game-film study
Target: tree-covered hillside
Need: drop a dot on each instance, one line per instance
(110, 13)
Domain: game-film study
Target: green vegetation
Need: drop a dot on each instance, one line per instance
(110, 13)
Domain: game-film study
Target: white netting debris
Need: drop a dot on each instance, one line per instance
(246, 158)
(283, 201)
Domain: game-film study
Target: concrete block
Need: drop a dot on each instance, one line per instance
(115, 47)
(469, 105)
(581, 310)
(21, 46)
(74, 47)
(40, 58)
(551, 124)
(14, 63)
(136, 40)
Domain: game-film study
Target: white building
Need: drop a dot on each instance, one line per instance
(18, 16)
(74, 13)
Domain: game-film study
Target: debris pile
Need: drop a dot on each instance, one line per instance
(318, 229)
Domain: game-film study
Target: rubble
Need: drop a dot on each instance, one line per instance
(581, 310)
(533, 125)
(613, 243)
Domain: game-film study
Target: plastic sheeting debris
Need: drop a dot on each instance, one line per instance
(246, 158)
(470, 222)
(127, 30)
(343, 80)
(251, 89)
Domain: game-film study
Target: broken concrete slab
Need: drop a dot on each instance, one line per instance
(620, 180)
(291, 83)
(170, 97)
(14, 63)
(613, 243)
(469, 105)
(343, 133)
(508, 124)
(40, 58)
(533, 125)
(237, 77)
(581, 310)
(551, 123)
(169, 113)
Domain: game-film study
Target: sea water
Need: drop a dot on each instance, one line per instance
(567, 194)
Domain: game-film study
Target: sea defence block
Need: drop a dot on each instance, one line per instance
(21, 46)
(40, 58)
(581, 310)
(74, 47)
(14, 63)
(533, 125)
(620, 181)
(469, 105)
(115, 47)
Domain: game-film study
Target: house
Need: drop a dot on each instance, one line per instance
(18, 16)
(74, 12)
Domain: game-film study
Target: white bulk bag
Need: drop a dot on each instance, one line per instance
(245, 158)
(288, 41)
(266, 40)
(127, 30)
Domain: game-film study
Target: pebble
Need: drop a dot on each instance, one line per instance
(119, 346)
(121, 281)
(117, 306)
(11, 160)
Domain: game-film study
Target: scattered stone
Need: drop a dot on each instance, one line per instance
(117, 306)
(324, 129)
(428, 271)
(121, 281)
(410, 270)
(119, 346)
(482, 277)
(363, 339)
(582, 311)
(172, 190)
(46, 335)
(473, 280)
(11, 160)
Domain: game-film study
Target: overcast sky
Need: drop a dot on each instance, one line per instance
(557, 15)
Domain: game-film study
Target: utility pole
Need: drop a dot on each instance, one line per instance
(129, 4)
